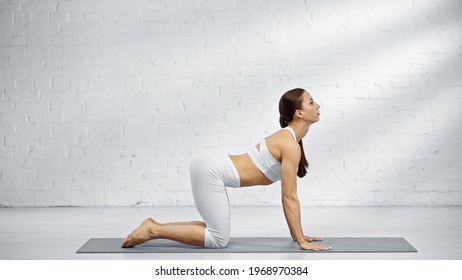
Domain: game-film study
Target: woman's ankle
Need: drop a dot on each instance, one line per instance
(154, 231)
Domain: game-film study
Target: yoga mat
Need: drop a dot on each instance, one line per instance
(254, 245)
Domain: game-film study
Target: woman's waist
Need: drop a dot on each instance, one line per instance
(249, 173)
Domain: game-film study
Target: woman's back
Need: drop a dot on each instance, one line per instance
(266, 155)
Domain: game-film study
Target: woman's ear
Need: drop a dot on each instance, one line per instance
(298, 114)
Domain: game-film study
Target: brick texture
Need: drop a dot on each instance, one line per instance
(106, 102)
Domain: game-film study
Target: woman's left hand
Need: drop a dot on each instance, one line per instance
(310, 239)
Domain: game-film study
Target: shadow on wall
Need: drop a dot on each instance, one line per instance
(405, 120)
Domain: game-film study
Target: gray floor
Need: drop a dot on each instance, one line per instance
(56, 233)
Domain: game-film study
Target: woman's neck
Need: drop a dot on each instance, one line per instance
(300, 129)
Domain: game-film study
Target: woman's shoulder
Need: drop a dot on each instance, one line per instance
(284, 135)
(284, 141)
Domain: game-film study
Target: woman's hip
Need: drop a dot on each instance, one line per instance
(214, 166)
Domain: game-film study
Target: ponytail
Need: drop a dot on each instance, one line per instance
(289, 103)
(283, 122)
(303, 164)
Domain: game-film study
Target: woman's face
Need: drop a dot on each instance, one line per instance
(310, 109)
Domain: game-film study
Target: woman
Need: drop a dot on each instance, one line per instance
(279, 156)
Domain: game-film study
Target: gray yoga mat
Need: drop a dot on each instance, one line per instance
(254, 245)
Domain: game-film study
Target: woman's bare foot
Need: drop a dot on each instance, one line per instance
(141, 234)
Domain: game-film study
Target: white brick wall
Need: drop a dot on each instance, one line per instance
(106, 102)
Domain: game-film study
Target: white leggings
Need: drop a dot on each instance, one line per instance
(211, 172)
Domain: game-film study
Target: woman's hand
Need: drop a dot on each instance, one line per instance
(313, 247)
(310, 239)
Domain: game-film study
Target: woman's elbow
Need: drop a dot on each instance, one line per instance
(289, 199)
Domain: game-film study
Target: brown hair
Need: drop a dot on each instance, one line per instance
(288, 104)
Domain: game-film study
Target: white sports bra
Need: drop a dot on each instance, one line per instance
(265, 161)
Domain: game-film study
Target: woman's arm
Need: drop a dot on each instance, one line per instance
(290, 202)
(291, 208)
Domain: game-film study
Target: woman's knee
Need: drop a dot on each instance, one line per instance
(220, 243)
(216, 240)
(223, 242)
